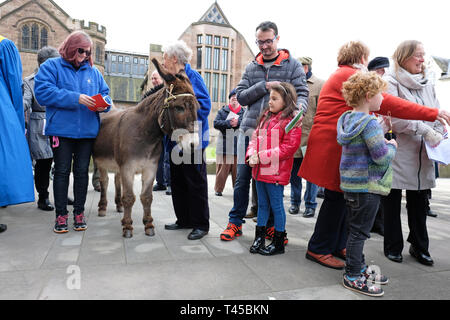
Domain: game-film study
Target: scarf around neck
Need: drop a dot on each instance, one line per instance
(235, 110)
(411, 81)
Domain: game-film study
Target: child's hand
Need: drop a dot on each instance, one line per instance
(254, 160)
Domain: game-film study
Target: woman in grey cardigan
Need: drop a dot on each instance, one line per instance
(413, 170)
(39, 144)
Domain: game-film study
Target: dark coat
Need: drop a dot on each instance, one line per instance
(228, 135)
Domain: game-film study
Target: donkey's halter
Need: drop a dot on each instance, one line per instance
(167, 104)
(172, 97)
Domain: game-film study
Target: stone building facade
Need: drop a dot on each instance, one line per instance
(33, 24)
(124, 74)
(220, 55)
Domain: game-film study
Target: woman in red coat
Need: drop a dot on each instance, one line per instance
(321, 163)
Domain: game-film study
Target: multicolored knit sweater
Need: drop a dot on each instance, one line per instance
(365, 162)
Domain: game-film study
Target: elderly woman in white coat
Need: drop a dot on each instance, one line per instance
(413, 170)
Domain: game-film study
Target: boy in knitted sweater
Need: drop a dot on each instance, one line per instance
(365, 174)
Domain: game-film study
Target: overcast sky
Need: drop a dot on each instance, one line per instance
(315, 28)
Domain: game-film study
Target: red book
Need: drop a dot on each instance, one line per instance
(100, 102)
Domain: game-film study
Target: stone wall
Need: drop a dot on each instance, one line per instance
(15, 13)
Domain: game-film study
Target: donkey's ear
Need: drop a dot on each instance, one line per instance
(163, 72)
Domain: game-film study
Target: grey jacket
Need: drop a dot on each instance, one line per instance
(251, 90)
(412, 168)
(39, 144)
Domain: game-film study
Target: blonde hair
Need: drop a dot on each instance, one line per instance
(404, 51)
(352, 52)
(360, 85)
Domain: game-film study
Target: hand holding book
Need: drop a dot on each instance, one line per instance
(97, 103)
(87, 101)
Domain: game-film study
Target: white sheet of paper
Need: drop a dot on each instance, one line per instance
(232, 115)
(441, 153)
(304, 151)
(43, 128)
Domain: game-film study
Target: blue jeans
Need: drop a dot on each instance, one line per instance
(242, 185)
(270, 196)
(362, 210)
(79, 151)
(296, 188)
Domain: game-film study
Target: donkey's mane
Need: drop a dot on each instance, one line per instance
(151, 102)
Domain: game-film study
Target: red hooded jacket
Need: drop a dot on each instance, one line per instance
(276, 150)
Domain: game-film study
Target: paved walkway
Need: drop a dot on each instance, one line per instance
(35, 263)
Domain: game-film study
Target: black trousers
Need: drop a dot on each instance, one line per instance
(74, 153)
(331, 230)
(42, 169)
(416, 204)
(189, 185)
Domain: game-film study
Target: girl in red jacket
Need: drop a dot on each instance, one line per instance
(271, 155)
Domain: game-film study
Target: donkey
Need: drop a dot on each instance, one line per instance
(129, 143)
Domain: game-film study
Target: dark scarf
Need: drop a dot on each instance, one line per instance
(152, 91)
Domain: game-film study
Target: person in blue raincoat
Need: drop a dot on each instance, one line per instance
(66, 85)
(16, 171)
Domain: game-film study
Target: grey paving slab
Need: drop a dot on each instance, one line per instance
(35, 263)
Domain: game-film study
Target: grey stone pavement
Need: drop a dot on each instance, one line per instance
(97, 264)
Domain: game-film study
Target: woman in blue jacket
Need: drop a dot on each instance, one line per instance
(65, 86)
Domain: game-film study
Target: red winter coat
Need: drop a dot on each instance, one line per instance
(323, 154)
(276, 150)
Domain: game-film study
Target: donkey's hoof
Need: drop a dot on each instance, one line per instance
(150, 232)
(119, 209)
(102, 213)
(128, 234)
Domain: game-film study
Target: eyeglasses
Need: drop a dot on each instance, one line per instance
(81, 51)
(268, 42)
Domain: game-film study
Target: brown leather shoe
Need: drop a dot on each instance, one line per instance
(341, 254)
(326, 260)
(250, 215)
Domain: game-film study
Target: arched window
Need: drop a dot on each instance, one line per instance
(25, 37)
(44, 37)
(34, 36)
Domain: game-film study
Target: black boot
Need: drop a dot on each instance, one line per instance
(44, 204)
(277, 245)
(259, 242)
